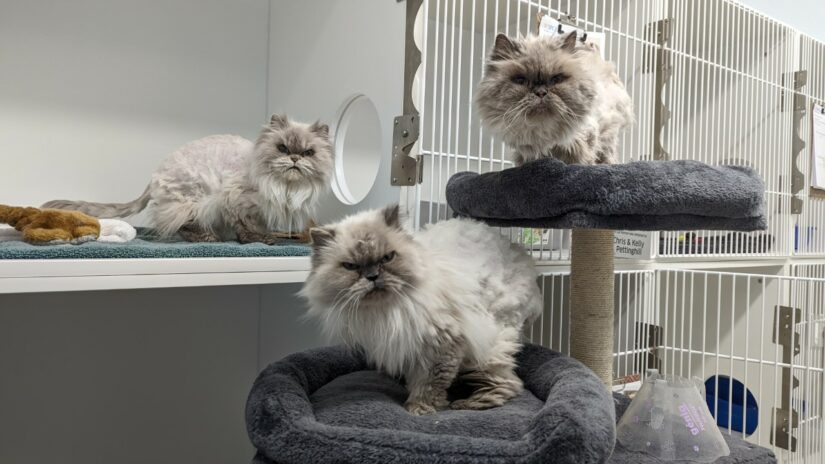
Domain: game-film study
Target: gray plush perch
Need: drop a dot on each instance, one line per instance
(644, 195)
(324, 406)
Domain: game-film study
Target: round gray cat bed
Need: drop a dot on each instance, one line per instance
(324, 405)
(593, 200)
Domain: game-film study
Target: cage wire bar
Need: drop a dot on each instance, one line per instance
(813, 270)
(808, 230)
(725, 74)
(717, 326)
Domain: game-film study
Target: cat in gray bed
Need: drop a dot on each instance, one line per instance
(224, 187)
(446, 303)
(553, 97)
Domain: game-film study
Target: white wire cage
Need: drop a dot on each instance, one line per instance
(711, 81)
(757, 341)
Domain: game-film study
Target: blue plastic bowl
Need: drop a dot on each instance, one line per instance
(732, 404)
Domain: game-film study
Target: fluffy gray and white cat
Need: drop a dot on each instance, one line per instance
(225, 187)
(445, 303)
(553, 96)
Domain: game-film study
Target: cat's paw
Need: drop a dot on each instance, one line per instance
(418, 408)
(442, 404)
(471, 404)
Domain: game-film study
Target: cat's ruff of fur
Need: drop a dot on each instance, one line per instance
(577, 120)
(457, 296)
(323, 405)
(222, 187)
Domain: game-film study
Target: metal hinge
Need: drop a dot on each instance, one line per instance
(407, 168)
(659, 63)
(648, 341)
(785, 418)
(800, 79)
(658, 32)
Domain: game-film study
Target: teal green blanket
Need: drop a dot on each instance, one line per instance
(145, 246)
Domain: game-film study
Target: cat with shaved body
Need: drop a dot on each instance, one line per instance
(225, 187)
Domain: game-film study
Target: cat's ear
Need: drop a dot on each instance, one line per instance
(569, 43)
(279, 121)
(392, 216)
(504, 48)
(321, 130)
(321, 236)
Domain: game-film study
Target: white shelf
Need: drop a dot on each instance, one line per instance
(64, 275)
(32, 276)
(695, 263)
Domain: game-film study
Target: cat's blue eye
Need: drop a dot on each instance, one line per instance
(349, 266)
(520, 80)
(283, 149)
(309, 152)
(388, 257)
(557, 79)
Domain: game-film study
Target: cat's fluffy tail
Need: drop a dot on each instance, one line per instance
(103, 210)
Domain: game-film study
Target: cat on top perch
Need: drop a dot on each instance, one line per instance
(224, 187)
(553, 96)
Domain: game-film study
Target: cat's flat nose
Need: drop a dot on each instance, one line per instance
(541, 92)
(371, 274)
(294, 158)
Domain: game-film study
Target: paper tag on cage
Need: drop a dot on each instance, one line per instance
(634, 245)
(550, 27)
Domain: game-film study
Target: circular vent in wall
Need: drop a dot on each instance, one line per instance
(357, 149)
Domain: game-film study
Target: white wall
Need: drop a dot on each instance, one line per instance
(805, 15)
(324, 51)
(94, 93)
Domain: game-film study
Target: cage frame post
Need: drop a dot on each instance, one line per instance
(662, 67)
(407, 168)
(799, 80)
(785, 418)
(592, 300)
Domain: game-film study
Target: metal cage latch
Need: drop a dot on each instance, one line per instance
(785, 418)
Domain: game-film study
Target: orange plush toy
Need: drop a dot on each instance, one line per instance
(50, 226)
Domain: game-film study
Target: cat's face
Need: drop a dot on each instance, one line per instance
(294, 152)
(364, 262)
(536, 81)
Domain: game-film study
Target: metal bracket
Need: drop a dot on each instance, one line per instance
(648, 337)
(800, 79)
(785, 418)
(660, 32)
(407, 168)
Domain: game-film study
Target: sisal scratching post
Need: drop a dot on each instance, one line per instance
(591, 300)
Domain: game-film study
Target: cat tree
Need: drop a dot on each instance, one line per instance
(594, 201)
(570, 417)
